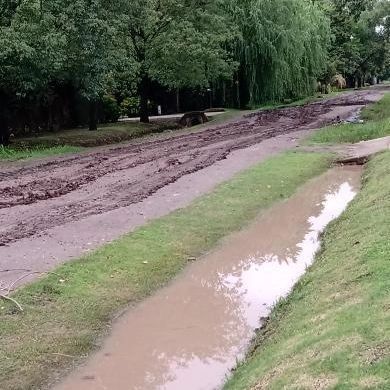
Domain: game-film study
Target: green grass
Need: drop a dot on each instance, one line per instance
(352, 133)
(9, 153)
(106, 134)
(333, 331)
(67, 318)
(109, 133)
(377, 125)
(378, 111)
(74, 140)
(299, 102)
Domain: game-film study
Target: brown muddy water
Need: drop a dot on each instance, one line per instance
(189, 335)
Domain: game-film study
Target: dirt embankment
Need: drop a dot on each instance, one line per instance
(48, 194)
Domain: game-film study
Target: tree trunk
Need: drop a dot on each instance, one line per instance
(4, 133)
(50, 109)
(144, 97)
(350, 81)
(238, 98)
(223, 94)
(177, 100)
(93, 115)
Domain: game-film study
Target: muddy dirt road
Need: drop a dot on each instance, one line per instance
(37, 197)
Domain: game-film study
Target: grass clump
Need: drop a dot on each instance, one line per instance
(333, 331)
(63, 319)
(377, 125)
(10, 153)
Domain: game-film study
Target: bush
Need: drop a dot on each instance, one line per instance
(110, 109)
(130, 106)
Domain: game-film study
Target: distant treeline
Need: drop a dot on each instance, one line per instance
(67, 63)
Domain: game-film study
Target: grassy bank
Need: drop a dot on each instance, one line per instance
(64, 314)
(377, 124)
(36, 152)
(106, 134)
(333, 331)
(73, 140)
(301, 101)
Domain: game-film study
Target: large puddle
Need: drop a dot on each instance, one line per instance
(189, 335)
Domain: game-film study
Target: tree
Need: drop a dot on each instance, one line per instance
(178, 43)
(373, 34)
(358, 49)
(92, 46)
(284, 47)
(17, 59)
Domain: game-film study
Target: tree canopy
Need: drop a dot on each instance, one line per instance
(283, 48)
(178, 43)
(360, 44)
(61, 59)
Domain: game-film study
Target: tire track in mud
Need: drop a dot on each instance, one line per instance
(46, 195)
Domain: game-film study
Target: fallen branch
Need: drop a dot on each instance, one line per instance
(16, 270)
(29, 273)
(7, 298)
(8, 289)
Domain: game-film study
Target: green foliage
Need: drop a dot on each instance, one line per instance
(284, 47)
(130, 106)
(58, 50)
(194, 50)
(35, 152)
(178, 43)
(111, 109)
(360, 29)
(48, 46)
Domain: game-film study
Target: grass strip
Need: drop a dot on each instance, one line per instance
(377, 125)
(333, 331)
(66, 314)
(75, 140)
(106, 134)
(9, 153)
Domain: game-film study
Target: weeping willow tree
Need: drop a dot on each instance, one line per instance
(283, 47)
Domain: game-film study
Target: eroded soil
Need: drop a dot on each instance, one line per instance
(39, 196)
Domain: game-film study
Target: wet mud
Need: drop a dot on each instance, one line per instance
(41, 196)
(190, 334)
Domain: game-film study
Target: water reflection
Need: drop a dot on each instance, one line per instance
(190, 334)
(261, 279)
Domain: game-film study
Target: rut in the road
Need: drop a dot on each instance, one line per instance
(51, 194)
